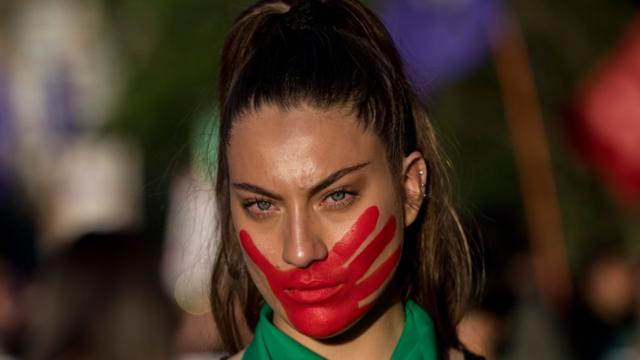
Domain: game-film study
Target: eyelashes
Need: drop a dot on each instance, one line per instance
(261, 207)
(339, 199)
(258, 207)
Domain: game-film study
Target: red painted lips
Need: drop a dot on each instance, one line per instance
(313, 295)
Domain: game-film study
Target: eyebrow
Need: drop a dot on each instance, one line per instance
(323, 184)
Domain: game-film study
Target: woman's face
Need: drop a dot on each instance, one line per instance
(316, 214)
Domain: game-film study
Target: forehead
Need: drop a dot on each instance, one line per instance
(300, 144)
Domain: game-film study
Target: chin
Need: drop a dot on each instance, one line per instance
(326, 322)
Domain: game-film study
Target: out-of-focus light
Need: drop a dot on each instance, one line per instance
(96, 186)
(191, 241)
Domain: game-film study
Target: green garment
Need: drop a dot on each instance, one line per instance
(416, 342)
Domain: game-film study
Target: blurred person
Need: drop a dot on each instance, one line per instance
(603, 317)
(480, 331)
(102, 298)
(59, 78)
(18, 261)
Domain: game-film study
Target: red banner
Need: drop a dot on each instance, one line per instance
(605, 118)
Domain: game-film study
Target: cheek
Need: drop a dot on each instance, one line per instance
(261, 282)
(266, 239)
(259, 276)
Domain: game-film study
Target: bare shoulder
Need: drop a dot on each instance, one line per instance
(237, 356)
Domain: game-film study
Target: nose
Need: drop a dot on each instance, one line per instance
(303, 244)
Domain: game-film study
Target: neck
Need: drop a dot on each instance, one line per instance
(374, 336)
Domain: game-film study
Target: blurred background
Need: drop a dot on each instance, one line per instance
(106, 114)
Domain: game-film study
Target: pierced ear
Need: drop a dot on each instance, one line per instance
(415, 175)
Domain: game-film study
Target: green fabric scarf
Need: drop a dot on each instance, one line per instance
(416, 342)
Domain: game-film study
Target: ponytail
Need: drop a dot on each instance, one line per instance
(327, 53)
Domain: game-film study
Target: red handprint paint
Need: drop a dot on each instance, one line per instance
(324, 298)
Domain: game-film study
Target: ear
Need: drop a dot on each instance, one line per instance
(415, 175)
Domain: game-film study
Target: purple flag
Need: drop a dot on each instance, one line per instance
(440, 40)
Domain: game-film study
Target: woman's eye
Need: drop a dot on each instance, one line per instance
(338, 195)
(339, 199)
(259, 208)
(263, 205)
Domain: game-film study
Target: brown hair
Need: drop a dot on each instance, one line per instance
(327, 53)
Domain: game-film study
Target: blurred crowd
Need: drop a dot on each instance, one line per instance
(82, 275)
(107, 294)
(88, 269)
(600, 321)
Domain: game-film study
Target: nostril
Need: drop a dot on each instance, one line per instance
(303, 243)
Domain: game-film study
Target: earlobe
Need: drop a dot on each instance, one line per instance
(415, 176)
